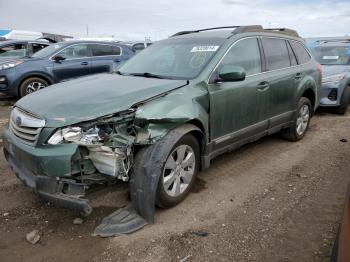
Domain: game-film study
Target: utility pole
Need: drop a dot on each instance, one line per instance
(87, 30)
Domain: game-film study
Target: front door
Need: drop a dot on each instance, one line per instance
(240, 109)
(76, 63)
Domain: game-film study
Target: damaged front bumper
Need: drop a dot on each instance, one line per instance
(64, 192)
(31, 168)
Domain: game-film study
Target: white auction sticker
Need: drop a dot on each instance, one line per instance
(331, 57)
(205, 48)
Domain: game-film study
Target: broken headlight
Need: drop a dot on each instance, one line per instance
(77, 135)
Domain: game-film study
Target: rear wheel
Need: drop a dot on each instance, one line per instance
(31, 85)
(301, 121)
(345, 99)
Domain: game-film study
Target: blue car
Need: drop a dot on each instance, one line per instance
(334, 56)
(59, 62)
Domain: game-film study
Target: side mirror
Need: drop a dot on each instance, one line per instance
(230, 73)
(58, 58)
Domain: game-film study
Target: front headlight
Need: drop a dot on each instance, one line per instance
(333, 78)
(10, 64)
(76, 135)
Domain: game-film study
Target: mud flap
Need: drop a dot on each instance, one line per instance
(123, 221)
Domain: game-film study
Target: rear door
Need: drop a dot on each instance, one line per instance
(280, 78)
(76, 63)
(239, 109)
(105, 58)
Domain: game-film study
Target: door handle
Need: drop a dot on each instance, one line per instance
(84, 63)
(117, 61)
(298, 76)
(263, 86)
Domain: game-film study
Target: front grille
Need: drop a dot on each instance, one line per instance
(25, 127)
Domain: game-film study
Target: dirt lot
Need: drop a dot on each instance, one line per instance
(269, 201)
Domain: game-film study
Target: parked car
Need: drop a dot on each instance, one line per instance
(20, 48)
(60, 62)
(162, 118)
(334, 56)
(138, 46)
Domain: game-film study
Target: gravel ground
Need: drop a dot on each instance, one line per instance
(269, 201)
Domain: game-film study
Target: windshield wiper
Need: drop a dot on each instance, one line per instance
(149, 75)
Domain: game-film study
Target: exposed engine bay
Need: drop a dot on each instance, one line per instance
(109, 142)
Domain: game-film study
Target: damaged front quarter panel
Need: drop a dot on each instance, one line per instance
(154, 119)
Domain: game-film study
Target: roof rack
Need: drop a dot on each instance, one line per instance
(285, 31)
(243, 29)
(331, 40)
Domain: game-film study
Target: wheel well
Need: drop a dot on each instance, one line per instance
(309, 94)
(198, 135)
(38, 76)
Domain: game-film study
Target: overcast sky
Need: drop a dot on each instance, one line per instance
(131, 20)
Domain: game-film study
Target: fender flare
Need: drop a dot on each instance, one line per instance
(144, 180)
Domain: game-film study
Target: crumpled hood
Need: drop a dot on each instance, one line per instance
(92, 97)
(328, 70)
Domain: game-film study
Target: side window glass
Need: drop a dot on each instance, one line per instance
(15, 50)
(75, 51)
(276, 52)
(293, 60)
(105, 50)
(246, 54)
(302, 55)
(37, 47)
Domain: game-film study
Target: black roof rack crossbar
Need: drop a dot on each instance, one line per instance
(285, 31)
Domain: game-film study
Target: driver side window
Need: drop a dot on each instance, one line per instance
(246, 54)
(75, 51)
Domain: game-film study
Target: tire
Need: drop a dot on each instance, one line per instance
(341, 110)
(36, 83)
(164, 197)
(298, 129)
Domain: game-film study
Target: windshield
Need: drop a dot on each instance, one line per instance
(48, 50)
(173, 58)
(331, 55)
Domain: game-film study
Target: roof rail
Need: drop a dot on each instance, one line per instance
(237, 29)
(243, 29)
(285, 31)
(201, 30)
(333, 40)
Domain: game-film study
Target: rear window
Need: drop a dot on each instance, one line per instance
(105, 50)
(276, 53)
(331, 55)
(302, 55)
(14, 50)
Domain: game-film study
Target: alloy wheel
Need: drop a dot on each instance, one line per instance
(179, 170)
(303, 119)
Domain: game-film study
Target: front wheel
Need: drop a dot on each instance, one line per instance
(178, 172)
(301, 121)
(32, 85)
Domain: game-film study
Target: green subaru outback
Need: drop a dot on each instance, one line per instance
(162, 118)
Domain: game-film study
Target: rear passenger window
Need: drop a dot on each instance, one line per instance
(246, 54)
(104, 50)
(302, 55)
(276, 53)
